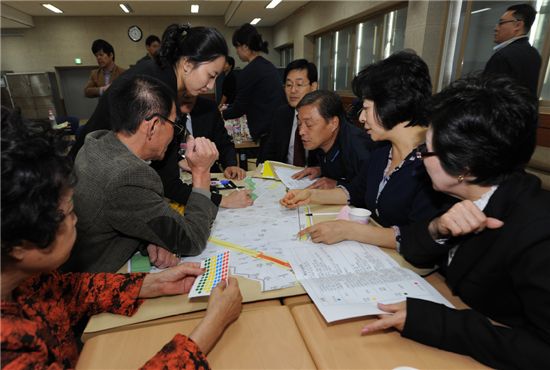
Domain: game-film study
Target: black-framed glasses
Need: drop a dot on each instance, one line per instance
(423, 154)
(500, 23)
(179, 128)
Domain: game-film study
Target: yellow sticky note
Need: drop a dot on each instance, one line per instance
(268, 170)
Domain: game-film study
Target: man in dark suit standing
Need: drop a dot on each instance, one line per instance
(284, 144)
(514, 56)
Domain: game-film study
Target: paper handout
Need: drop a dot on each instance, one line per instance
(285, 175)
(348, 279)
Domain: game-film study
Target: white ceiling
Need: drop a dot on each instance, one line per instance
(234, 12)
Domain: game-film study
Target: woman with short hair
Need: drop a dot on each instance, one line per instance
(393, 184)
(41, 307)
(493, 246)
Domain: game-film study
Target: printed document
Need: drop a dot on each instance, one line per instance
(348, 279)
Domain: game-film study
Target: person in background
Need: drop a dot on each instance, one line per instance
(514, 56)
(189, 60)
(229, 84)
(41, 307)
(119, 198)
(259, 86)
(393, 184)
(340, 148)
(284, 143)
(152, 44)
(204, 120)
(493, 246)
(108, 71)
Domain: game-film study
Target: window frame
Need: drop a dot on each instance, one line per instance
(354, 24)
(463, 38)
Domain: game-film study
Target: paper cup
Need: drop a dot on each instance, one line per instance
(360, 215)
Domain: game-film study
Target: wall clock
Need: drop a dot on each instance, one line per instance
(134, 33)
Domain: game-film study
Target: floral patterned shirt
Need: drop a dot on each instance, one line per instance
(37, 326)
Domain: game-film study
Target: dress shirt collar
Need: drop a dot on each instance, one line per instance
(508, 42)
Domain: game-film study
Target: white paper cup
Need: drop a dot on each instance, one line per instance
(360, 215)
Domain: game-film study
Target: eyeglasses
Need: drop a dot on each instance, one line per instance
(299, 86)
(500, 23)
(178, 127)
(423, 154)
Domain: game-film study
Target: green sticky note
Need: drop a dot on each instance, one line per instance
(140, 263)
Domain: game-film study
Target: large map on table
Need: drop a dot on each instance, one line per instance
(257, 236)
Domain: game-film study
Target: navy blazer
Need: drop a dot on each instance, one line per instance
(349, 153)
(259, 93)
(207, 122)
(502, 274)
(518, 60)
(408, 196)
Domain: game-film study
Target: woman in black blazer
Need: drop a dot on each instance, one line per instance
(494, 245)
(259, 86)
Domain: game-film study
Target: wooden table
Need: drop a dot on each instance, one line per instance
(260, 339)
(341, 346)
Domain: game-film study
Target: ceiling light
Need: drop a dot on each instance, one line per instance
(126, 8)
(52, 8)
(480, 10)
(194, 8)
(256, 20)
(273, 4)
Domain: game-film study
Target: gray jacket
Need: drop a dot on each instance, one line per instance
(120, 207)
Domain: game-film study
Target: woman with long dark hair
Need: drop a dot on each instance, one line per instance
(189, 60)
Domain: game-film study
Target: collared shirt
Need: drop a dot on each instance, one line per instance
(508, 42)
(290, 153)
(189, 125)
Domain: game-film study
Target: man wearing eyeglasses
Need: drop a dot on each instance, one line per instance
(514, 56)
(284, 144)
(119, 198)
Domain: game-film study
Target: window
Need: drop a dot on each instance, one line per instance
(341, 54)
(286, 55)
(474, 43)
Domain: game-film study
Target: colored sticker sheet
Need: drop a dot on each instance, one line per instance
(217, 269)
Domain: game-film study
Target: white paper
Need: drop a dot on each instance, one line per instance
(348, 279)
(285, 175)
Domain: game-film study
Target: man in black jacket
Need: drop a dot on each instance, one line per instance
(284, 143)
(514, 56)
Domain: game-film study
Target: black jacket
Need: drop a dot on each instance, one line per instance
(206, 122)
(502, 274)
(518, 60)
(348, 155)
(259, 93)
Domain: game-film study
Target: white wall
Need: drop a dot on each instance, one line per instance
(56, 41)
